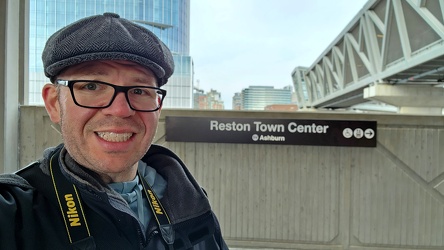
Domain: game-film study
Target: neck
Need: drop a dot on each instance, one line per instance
(128, 175)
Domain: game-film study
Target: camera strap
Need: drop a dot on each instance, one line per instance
(74, 217)
(162, 219)
(70, 205)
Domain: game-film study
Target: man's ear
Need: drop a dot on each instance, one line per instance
(52, 105)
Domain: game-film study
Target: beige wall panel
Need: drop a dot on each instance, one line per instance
(270, 192)
(394, 203)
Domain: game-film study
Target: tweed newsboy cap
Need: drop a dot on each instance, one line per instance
(106, 37)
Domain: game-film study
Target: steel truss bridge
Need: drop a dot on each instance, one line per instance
(391, 54)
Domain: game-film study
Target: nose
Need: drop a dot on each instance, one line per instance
(119, 107)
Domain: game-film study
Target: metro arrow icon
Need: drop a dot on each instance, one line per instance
(369, 133)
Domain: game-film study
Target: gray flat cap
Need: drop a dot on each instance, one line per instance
(106, 37)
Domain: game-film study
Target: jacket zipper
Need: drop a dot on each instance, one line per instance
(151, 236)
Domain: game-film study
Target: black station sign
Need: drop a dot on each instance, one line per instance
(271, 131)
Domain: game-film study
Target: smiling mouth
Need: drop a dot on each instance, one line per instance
(114, 137)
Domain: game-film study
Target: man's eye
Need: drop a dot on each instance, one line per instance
(90, 86)
(141, 91)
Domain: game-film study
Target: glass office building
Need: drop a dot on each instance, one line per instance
(168, 19)
(258, 97)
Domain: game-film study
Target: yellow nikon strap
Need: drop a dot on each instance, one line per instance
(70, 206)
(159, 213)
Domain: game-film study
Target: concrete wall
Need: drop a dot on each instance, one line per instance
(310, 197)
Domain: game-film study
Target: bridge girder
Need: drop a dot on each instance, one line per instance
(396, 42)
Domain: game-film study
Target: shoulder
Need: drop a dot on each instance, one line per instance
(164, 161)
(15, 191)
(31, 177)
(24, 179)
(160, 150)
(158, 157)
(20, 190)
(14, 180)
(18, 203)
(18, 179)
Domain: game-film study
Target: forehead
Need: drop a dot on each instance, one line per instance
(108, 68)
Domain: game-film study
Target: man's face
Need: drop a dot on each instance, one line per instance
(111, 140)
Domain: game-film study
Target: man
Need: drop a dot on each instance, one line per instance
(106, 186)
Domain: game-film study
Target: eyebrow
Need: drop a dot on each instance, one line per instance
(142, 80)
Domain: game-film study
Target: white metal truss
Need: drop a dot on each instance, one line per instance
(394, 41)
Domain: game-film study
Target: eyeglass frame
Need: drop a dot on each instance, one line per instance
(117, 89)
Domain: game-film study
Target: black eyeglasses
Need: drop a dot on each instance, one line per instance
(97, 94)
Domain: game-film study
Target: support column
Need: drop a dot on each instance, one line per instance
(11, 78)
(421, 111)
(410, 99)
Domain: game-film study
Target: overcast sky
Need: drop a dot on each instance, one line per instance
(240, 43)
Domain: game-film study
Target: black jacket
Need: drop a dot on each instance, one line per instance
(31, 218)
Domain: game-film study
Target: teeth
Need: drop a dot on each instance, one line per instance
(114, 137)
